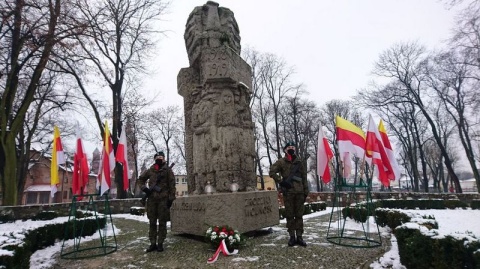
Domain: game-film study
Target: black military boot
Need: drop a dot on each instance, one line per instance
(151, 248)
(292, 241)
(160, 247)
(300, 241)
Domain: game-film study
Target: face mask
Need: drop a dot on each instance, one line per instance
(291, 152)
(158, 161)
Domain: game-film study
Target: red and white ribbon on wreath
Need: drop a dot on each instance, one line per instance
(222, 248)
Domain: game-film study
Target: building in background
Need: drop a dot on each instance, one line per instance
(469, 185)
(181, 185)
(37, 184)
(268, 183)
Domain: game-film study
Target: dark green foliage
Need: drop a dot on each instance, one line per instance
(46, 236)
(138, 211)
(476, 258)
(308, 210)
(422, 204)
(475, 204)
(452, 204)
(6, 218)
(359, 214)
(82, 214)
(318, 206)
(420, 251)
(431, 224)
(45, 215)
(21, 258)
(414, 250)
(390, 218)
(452, 253)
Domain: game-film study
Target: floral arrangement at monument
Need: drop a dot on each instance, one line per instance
(233, 238)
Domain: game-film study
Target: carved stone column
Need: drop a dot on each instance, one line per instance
(219, 146)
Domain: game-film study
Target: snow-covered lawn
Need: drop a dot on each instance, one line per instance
(451, 222)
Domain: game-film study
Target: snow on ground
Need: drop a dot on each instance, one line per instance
(457, 222)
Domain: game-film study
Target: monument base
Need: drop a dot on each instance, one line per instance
(243, 211)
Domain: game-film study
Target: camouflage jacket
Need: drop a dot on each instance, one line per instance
(163, 177)
(283, 167)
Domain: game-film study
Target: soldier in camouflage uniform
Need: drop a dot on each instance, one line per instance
(294, 193)
(161, 193)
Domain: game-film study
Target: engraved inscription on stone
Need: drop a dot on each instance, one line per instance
(258, 206)
(193, 206)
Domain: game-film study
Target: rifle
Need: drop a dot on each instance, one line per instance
(153, 187)
(287, 183)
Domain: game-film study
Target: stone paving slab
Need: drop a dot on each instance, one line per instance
(263, 249)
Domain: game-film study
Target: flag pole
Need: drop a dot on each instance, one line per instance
(63, 181)
(362, 169)
(343, 171)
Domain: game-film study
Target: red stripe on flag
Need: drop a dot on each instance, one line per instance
(345, 135)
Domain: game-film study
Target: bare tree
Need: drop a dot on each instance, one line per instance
(451, 77)
(29, 32)
(276, 82)
(120, 37)
(133, 105)
(159, 131)
(405, 65)
(179, 146)
(302, 119)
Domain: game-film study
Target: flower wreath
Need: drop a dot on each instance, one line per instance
(233, 238)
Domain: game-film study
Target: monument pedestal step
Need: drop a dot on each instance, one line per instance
(243, 211)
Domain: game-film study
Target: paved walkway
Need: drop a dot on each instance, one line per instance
(264, 249)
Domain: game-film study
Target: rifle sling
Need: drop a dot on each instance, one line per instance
(294, 170)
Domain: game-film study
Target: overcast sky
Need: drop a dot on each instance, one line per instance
(331, 44)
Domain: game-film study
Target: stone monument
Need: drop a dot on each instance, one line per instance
(219, 144)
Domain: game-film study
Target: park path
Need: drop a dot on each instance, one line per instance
(263, 249)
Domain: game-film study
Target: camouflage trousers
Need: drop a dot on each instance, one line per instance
(294, 207)
(157, 211)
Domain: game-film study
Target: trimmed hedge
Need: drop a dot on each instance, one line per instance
(309, 208)
(421, 251)
(422, 204)
(43, 237)
(138, 211)
(45, 215)
(6, 218)
(390, 218)
(359, 214)
(475, 204)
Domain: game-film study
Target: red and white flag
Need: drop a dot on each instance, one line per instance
(58, 157)
(324, 154)
(107, 165)
(389, 150)
(376, 154)
(122, 157)
(80, 169)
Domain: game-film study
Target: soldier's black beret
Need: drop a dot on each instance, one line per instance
(288, 144)
(160, 153)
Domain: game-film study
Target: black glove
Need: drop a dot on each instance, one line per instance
(147, 191)
(169, 203)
